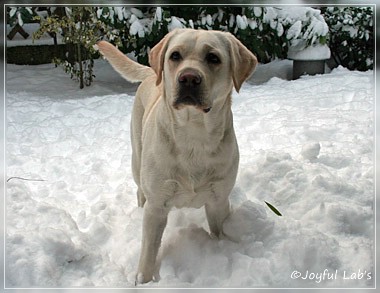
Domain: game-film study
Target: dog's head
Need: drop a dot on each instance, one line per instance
(199, 67)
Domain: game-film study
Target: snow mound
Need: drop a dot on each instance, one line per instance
(314, 52)
(248, 219)
(310, 151)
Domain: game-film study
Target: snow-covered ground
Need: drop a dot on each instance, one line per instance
(306, 147)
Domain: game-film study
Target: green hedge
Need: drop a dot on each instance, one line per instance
(351, 36)
(266, 31)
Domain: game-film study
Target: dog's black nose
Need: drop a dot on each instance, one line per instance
(189, 78)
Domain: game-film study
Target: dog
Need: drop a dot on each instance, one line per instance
(184, 149)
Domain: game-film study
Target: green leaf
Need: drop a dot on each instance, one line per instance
(273, 209)
(323, 40)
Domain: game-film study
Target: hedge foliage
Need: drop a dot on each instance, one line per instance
(266, 31)
(351, 36)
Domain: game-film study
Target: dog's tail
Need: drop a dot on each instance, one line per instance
(127, 68)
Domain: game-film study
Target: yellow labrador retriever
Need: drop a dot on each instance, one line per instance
(185, 152)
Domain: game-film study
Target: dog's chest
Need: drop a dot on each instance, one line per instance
(189, 191)
(193, 180)
(199, 160)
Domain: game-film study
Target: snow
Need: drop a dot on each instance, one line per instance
(294, 31)
(306, 147)
(137, 28)
(158, 15)
(175, 23)
(209, 20)
(119, 12)
(311, 150)
(313, 52)
(280, 30)
(242, 22)
(296, 17)
(99, 12)
(257, 11)
(137, 12)
(252, 24)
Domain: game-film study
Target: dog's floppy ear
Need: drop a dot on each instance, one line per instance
(157, 56)
(243, 62)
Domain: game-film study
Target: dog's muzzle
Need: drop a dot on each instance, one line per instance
(190, 91)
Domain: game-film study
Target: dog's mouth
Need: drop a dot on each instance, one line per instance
(191, 97)
(190, 91)
(190, 100)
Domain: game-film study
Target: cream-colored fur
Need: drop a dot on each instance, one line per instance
(185, 152)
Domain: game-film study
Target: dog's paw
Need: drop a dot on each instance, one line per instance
(140, 279)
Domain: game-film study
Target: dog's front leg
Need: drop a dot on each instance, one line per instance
(154, 222)
(217, 211)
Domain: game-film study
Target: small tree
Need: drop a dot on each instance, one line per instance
(79, 28)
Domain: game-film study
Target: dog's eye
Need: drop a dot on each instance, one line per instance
(175, 56)
(212, 58)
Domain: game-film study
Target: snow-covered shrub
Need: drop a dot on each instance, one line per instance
(351, 36)
(19, 15)
(267, 31)
(270, 31)
(130, 29)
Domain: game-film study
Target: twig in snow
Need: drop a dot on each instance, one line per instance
(26, 179)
